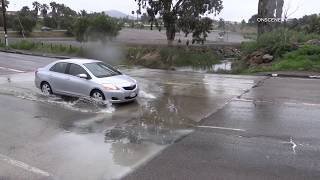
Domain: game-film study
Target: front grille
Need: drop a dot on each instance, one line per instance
(130, 88)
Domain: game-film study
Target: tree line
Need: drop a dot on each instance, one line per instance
(83, 25)
(189, 17)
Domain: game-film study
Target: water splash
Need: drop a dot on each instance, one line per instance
(293, 144)
(83, 104)
(146, 95)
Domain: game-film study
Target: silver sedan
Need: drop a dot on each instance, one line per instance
(86, 77)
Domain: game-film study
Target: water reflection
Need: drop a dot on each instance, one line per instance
(223, 67)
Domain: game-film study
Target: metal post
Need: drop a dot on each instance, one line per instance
(5, 23)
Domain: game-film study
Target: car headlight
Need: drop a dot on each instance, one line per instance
(110, 87)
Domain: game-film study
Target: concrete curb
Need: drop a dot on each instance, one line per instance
(34, 54)
(294, 76)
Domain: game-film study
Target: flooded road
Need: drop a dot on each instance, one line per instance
(184, 125)
(64, 138)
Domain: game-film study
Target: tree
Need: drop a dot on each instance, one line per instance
(83, 13)
(97, 26)
(62, 17)
(269, 9)
(307, 24)
(253, 20)
(6, 2)
(44, 10)
(145, 18)
(203, 27)
(53, 6)
(36, 6)
(25, 21)
(243, 24)
(170, 11)
(50, 22)
(222, 24)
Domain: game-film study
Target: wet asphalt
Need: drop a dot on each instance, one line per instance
(183, 126)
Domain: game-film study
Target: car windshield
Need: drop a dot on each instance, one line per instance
(101, 70)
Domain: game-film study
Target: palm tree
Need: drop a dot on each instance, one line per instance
(37, 6)
(44, 10)
(54, 8)
(83, 13)
(6, 2)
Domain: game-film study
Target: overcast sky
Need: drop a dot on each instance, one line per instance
(234, 10)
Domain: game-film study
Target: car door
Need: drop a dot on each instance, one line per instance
(78, 86)
(58, 77)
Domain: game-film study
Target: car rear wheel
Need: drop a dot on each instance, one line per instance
(46, 88)
(97, 95)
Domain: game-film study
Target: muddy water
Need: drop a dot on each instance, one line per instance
(80, 139)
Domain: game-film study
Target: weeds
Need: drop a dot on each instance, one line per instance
(45, 48)
(169, 57)
(278, 42)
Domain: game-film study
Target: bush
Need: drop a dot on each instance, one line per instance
(278, 42)
(24, 24)
(50, 22)
(24, 45)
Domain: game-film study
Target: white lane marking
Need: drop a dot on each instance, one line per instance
(221, 128)
(314, 77)
(305, 104)
(24, 166)
(279, 102)
(10, 69)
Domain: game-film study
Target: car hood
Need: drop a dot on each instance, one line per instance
(119, 81)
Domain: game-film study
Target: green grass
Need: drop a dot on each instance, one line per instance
(305, 58)
(45, 48)
(278, 42)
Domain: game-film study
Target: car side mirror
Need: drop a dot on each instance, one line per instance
(82, 76)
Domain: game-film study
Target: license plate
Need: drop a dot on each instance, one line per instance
(133, 95)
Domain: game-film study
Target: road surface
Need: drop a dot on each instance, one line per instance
(185, 125)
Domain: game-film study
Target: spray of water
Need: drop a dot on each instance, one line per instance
(83, 104)
(108, 52)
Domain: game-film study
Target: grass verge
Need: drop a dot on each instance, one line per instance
(45, 48)
(305, 58)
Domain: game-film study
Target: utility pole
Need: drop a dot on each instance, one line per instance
(5, 23)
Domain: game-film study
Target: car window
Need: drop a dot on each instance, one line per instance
(101, 70)
(76, 70)
(59, 67)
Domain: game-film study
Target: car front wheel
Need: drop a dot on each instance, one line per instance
(46, 88)
(97, 95)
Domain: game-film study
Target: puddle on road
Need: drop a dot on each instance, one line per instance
(116, 139)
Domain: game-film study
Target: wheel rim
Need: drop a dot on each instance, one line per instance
(46, 89)
(97, 96)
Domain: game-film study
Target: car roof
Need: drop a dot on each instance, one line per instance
(78, 61)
